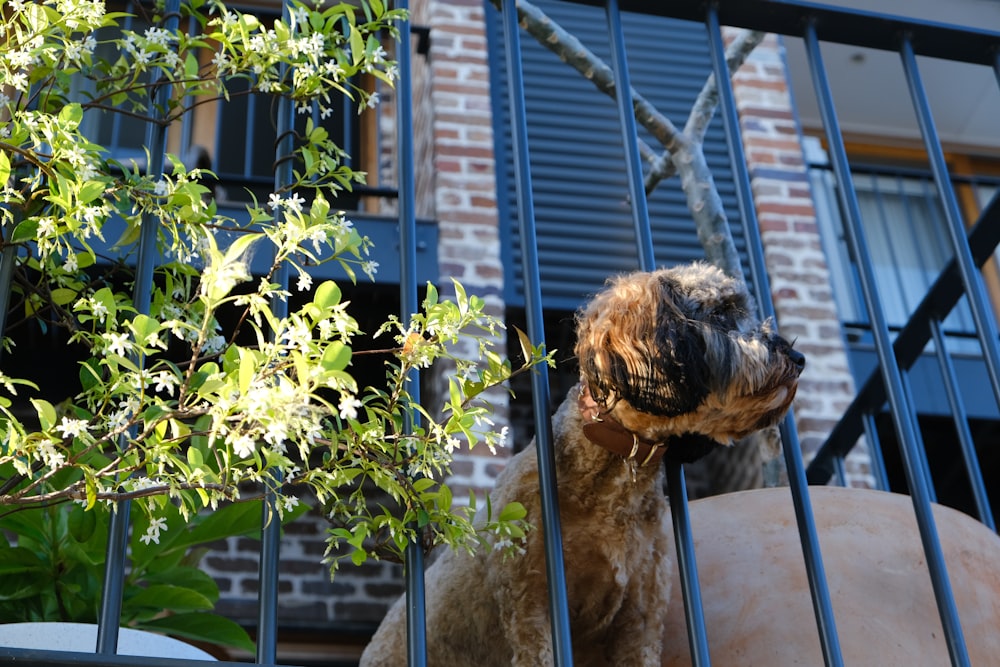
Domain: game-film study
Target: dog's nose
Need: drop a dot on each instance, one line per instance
(797, 358)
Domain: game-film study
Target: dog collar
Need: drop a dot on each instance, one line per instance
(605, 431)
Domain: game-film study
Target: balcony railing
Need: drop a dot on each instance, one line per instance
(896, 353)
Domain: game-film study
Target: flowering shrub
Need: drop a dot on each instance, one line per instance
(176, 411)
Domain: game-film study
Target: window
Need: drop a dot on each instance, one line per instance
(906, 231)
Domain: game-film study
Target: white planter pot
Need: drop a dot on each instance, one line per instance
(82, 637)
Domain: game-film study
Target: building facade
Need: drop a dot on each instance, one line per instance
(468, 232)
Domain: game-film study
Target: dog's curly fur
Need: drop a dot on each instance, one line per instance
(674, 357)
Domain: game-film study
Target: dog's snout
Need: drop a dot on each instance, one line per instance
(797, 358)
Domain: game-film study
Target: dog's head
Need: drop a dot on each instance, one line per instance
(679, 351)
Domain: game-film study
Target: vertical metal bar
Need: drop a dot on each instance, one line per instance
(270, 539)
(839, 471)
(874, 445)
(687, 567)
(902, 412)
(684, 540)
(554, 565)
(982, 314)
(921, 462)
(961, 419)
(109, 613)
(626, 118)
(815, 571)
(8, 259)
(416, 630)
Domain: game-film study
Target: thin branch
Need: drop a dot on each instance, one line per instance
(76, 493)
(684, 155)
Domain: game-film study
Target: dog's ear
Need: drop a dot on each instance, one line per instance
(639, 346)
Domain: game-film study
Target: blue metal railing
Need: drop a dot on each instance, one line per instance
(813, 23)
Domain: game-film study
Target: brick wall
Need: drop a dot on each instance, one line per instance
(465, 199)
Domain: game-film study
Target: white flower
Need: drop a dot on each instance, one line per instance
(276, 434)
(289, 503)
(214, 344)
(153, 531)
(71, 428)
(160, 189)
(70, 264)
(99, 310)
(48, 453)
(295, 202)
(274, 201)
(165, 381)
(348, 406)
(221, 61)
(243, 446)
(372, 100)
(118, 343)
(305, 282)
(46, 227)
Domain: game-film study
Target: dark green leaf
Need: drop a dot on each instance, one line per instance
(169, 598)
(204, 627)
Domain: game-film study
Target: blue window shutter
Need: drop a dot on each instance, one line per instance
(580, 192)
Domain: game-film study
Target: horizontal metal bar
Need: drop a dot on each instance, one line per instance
(40, 658)
(834, 24)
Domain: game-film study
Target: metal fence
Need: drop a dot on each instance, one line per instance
(885, 387)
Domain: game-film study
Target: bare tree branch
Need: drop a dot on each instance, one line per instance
(704, 105)
(683, 153)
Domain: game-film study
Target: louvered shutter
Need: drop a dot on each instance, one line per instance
(580, 192)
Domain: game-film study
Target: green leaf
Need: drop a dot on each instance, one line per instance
(63, 295)
(90, 374)
(190, 66)
(168, 597)
(327, 295)
(81, 523)
(144, 326)
(512, 512)
(129, 236)
(526, 346)
(235, 251)
(195, 458)
(18, 560)
(4, 167)
(336, 356)
(357, 46)
(203, 627)
(25, 231)
(71, 114)
(226, 521)
(248, 368)
(46, 413)
(90, 191)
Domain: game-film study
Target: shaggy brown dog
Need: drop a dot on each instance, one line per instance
(672, 363)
